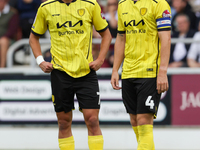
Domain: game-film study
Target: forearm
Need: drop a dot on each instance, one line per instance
(119, 51)
(193, 63)
(46, 67)
(105, 43)
(164, 52)
(35, 45)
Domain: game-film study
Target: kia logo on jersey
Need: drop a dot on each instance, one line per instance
(133, 23)
(166, 14)
(69, 24)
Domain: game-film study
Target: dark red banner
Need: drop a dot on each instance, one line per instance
(185, 99)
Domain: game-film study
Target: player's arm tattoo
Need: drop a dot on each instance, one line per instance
(120, 34)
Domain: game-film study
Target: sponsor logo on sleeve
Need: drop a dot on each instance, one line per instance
(102, 15)
(166, 14)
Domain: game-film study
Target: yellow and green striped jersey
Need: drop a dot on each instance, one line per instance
(70, 26)
(141, 21)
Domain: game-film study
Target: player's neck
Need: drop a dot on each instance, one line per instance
(67, 1)
(135, 1)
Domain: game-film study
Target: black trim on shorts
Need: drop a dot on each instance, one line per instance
(64, 87)
(136, 92)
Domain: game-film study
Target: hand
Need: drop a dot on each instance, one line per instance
(115, 81)
(162, 83)
(95, 65)
(176, 64)
(46, 67)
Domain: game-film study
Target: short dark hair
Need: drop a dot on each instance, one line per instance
(185, 15)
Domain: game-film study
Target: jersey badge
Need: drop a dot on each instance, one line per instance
(143, 11)
(166, 14)
(81, 12)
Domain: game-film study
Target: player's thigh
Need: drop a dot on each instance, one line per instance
(129, 96)
(62, 91)
(87, 91)
(148, 98)
(90, 114)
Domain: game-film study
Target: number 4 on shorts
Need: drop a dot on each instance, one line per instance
(149, 102)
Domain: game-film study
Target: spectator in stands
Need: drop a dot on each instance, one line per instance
(96, 47)
(179, 50)
(195, 7)
(27, 10)
(8, 29)
(195, 4)
(182, 6)
(102, 6)
(173, 11)
(193, 57)
(111, 16)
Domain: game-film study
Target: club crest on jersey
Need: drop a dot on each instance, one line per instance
(166, 14)
(143, 11)
(81, 12)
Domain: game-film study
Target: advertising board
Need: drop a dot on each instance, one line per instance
(26, 99)
(185, 99)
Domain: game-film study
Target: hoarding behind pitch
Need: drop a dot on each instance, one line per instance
(185, 99)
(26, 99)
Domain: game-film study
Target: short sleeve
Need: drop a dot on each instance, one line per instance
(120, 28)
(40, 24)
(163, 16)
(98, 19)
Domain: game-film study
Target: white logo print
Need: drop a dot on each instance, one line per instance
(149, 102)
(99, 98)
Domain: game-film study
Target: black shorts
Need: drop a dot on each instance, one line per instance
(64, 87)
(140, 95)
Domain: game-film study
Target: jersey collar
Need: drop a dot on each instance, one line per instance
(66, 3)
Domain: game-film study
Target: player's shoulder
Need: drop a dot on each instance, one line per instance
(48, 2)
(92, 2)
(122, 2)
(159, 1)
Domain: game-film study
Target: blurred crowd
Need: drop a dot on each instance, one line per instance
(17, 17)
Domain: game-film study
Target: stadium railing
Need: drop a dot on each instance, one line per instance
(32, 63)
